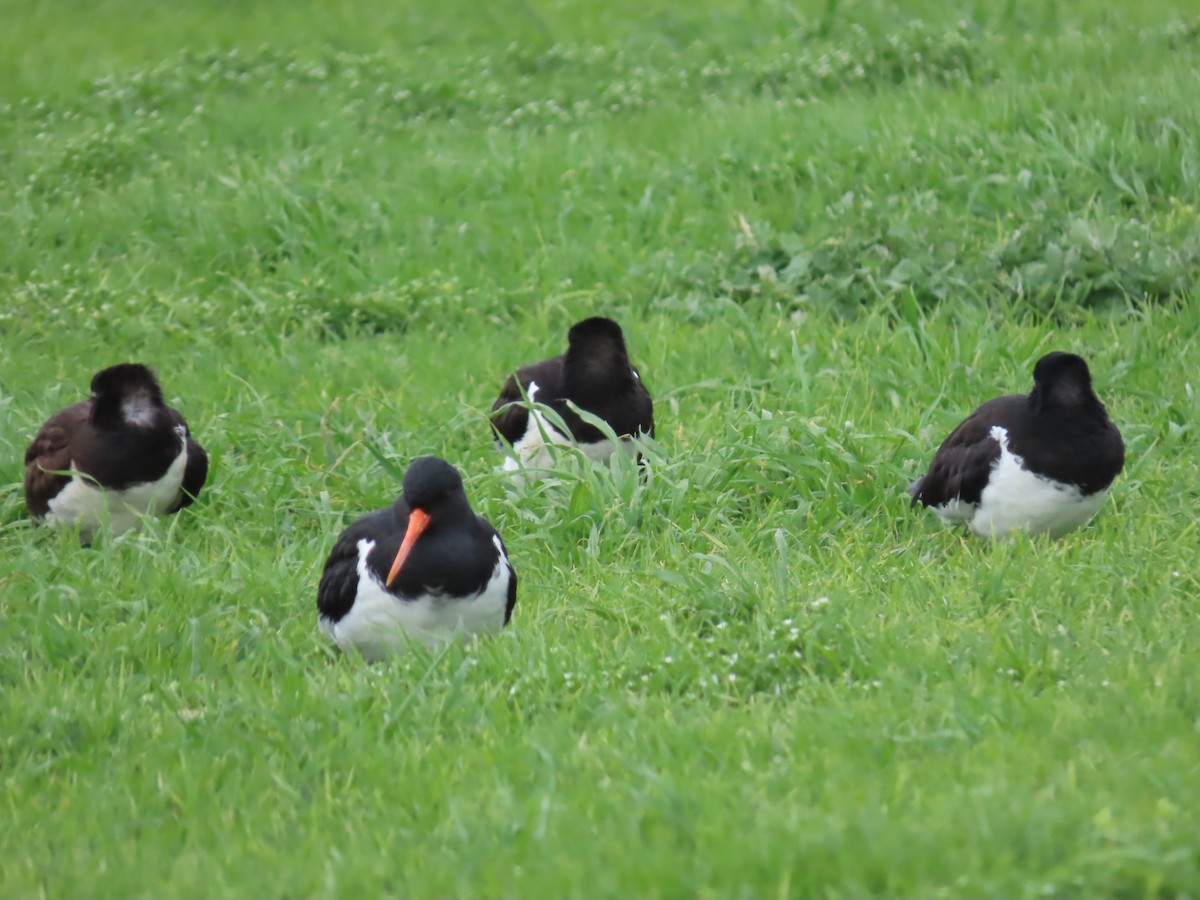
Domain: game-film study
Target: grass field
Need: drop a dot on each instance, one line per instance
(829, 230)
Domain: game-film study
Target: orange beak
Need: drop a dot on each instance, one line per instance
(418, 521)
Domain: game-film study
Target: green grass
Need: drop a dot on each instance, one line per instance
(828, 228)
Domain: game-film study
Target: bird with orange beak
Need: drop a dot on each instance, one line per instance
(426, 569)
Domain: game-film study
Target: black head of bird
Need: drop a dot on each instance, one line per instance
(597, 362)
(432, 493)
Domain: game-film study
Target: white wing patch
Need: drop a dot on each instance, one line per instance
(84, 503)
(532, 449)
(380, 624)
(1016, 499)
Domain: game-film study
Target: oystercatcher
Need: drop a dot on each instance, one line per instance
(119, 455)
(1037, 462)
(595, 374)
(425, 568)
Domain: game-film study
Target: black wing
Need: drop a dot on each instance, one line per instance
(512, 580)
(963, 463)
(50, 452)
(1083, 449)
(339, 581)
(510, 420)
(195, 474)
(628, 413)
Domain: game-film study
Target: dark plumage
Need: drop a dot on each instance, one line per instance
(1041, 461)
(595, 374)
(135, 453)
(424, 568)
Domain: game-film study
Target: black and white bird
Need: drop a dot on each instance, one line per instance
(1036, 462)
(595, 374)
(426, 568)
(117, 456)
